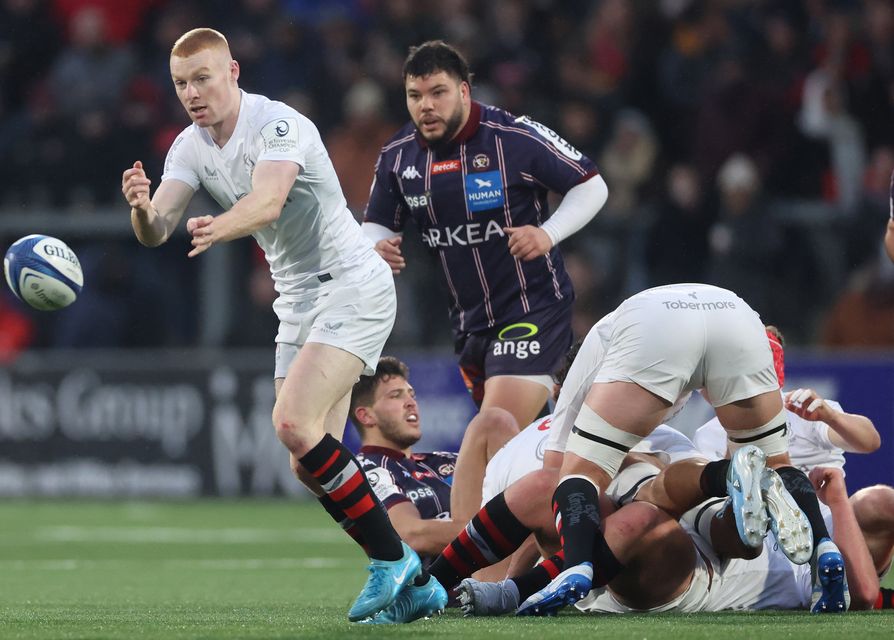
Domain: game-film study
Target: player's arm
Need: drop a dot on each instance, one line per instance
(387, 244)
(425, 537)
(861, 576)
(578, 207)
(889, 239)
(270, 185)
(849, 431)
(154, 220)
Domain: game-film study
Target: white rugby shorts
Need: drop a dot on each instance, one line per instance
(675, 339)
(353, 312)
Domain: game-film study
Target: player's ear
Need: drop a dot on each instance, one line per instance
(364, 416)
(234, 70)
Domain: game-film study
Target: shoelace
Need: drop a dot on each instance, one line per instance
(376, 582)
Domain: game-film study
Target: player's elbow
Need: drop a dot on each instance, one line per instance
(272, 209)
(873, 442)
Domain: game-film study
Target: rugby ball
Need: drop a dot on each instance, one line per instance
(43, 271)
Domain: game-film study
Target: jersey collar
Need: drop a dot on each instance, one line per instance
(469, 129)
(385, 451)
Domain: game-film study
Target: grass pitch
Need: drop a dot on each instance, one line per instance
(254, 569)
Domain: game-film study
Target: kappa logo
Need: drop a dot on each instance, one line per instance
(410, 173)
(484, 183)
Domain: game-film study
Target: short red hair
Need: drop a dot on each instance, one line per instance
(197, 40)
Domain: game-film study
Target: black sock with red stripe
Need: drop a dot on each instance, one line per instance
(534, 580)
(577, 500)
(493, 534)
(885, 599)
(350, 527)
(332, 464)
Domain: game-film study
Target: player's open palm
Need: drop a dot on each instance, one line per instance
(135, 186)
(528, 242)
(389, 249)
(807, 404)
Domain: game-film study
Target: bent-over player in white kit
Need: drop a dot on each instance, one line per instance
(266, 165)
(659, 346)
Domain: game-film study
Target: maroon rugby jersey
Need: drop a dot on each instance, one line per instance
(495, 174)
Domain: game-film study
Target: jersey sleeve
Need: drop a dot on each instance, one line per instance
(386, 204)
(551, 160)
(180, 163)
(285, 136)
(384, 485)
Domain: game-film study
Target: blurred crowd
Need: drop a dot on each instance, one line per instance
(746, 143)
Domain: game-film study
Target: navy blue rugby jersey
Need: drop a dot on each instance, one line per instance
(423, 478)
(496, 174)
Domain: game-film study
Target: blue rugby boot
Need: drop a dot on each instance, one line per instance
(386, 579)
(568, 587)
(830, 594)
(743, 484)
(412, 603)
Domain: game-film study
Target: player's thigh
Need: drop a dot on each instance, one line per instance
(318, 379)
(522, 396)
(654, 346)
(738, 360)
(627, 406)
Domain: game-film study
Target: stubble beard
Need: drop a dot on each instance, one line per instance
(451, 127)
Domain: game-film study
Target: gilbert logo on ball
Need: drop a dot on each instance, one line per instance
(43, 271)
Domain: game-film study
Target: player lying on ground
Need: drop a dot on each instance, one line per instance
(668, 566)
(647, 357)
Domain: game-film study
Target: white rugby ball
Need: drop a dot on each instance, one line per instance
(43, 271)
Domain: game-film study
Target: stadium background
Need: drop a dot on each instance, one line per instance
(745, 143)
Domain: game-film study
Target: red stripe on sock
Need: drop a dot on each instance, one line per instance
(459, 565)
(880, 600)
(550, 567)
(506, 546)
(345, 490)
(363, 505)
(326, 465)
(466, 541)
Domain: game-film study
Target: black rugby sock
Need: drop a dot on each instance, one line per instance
(797, 484)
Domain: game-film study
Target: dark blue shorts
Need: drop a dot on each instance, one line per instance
(535, 345)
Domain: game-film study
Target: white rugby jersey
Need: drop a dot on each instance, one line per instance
(518, 457)
(315, 238)
(809, 445)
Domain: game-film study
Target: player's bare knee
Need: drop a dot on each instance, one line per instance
(771, 438)
(595, 440)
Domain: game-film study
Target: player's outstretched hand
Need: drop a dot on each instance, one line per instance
(528, 242)
(202, 234)
(135, 187)
(389, 249)
(807, 404)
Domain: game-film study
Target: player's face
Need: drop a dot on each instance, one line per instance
(438, 104)
(206, 86)
(396, 412)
